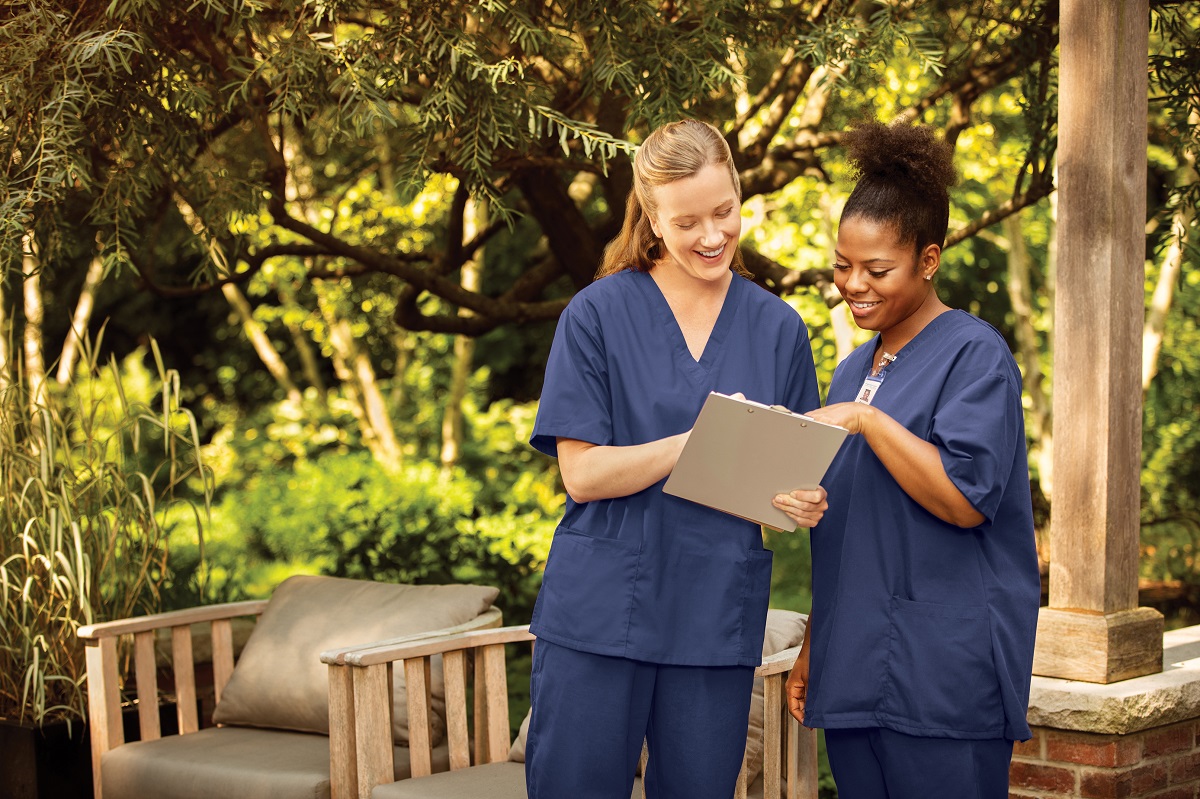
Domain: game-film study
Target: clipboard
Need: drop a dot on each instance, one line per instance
(742, 453)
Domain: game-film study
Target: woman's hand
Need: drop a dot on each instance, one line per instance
(796, 687)
(803, 506)
(853, 416)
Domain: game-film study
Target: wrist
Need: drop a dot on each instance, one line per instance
(866, 421)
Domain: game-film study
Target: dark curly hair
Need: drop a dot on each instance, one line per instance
(904, 175)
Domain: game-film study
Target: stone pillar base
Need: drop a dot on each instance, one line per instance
(1096, 647)
(1135, 739)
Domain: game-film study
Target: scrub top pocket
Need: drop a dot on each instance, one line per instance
(940, 674)
(587, 591)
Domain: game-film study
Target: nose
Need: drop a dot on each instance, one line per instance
(710, 234)
(855, 281)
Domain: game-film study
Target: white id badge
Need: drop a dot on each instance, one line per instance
(867, 393)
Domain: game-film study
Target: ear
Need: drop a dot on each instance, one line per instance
(930, 260)
(654, 227)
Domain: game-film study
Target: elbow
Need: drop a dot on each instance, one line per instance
(578, 492)
(966, 518)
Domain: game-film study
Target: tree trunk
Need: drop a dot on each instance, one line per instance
(354, 369)
(474, 219)
(403, 341)
(35, 367)
(308, 360)
(80, 320)
(839, 314)
(1168, 274)
(262, 343)
(1020, 293)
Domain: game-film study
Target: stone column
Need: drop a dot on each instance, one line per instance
(1093, 629)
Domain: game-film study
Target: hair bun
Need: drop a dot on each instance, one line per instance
(901, 153)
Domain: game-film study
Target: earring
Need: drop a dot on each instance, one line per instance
(929, 277)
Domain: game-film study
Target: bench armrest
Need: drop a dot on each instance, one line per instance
(174, 618)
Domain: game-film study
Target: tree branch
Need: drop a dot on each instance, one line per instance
(781, 281)
(1037, 191)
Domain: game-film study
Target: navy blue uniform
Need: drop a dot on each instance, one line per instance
(651, 577)
(919, 626)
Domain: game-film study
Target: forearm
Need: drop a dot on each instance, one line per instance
(917, 466)
(591, 472)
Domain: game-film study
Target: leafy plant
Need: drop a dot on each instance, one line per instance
(345, 515)
(87, 476)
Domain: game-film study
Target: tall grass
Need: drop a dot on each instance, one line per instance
(87, 476)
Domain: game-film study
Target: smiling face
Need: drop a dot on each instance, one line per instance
(883, 281)
(699, 221)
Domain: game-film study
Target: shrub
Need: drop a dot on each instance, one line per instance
(86, 479)
(343, 514)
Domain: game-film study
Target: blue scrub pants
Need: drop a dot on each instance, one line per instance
(877, 763)
(591, 713)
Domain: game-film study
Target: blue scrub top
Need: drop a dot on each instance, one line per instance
(650, 576)
(920, 626)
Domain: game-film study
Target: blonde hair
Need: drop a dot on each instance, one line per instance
(672, 152)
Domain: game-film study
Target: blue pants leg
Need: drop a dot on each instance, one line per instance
(592, 712)
(697, 733)
(876, 763)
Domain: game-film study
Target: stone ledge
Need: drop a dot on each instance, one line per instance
(1128, 706)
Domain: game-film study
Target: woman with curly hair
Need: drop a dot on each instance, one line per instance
(919, 651)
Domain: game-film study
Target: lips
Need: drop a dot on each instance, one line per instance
(862, 308)
(717, 253)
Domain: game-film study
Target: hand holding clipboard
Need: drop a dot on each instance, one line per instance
(741, 453)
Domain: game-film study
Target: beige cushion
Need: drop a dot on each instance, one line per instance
(785, 629)
(280, 682)
(239, 762)
(493, 781)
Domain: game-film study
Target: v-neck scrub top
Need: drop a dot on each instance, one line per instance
(651, 576)
(918, 625)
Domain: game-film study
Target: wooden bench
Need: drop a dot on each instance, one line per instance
(480, 741)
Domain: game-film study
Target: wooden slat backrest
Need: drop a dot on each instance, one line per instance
(491, 739)
(790, 756)
(454, 666)
(104, 690)
(184, 668)
(145, 671)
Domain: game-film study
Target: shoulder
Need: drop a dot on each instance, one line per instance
(978, 347)
(613, 287)
(757, 296)
(765, 306)
(597, 299)
(969, 331)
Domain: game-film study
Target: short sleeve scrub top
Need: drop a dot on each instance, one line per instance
(918, 625)
(650, 576)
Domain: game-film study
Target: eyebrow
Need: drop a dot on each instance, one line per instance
(884, 261)
(693, 216)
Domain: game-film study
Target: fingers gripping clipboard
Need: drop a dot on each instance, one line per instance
(742, 453)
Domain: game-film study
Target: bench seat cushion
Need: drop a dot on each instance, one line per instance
(229, 762)
(493, 781)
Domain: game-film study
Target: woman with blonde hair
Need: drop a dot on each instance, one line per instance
(651, 615)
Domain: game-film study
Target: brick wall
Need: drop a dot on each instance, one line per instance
(1159, 763)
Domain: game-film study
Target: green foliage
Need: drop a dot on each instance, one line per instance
(1171, 449)
(300, 494)
(88, 480)
(344, 515)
